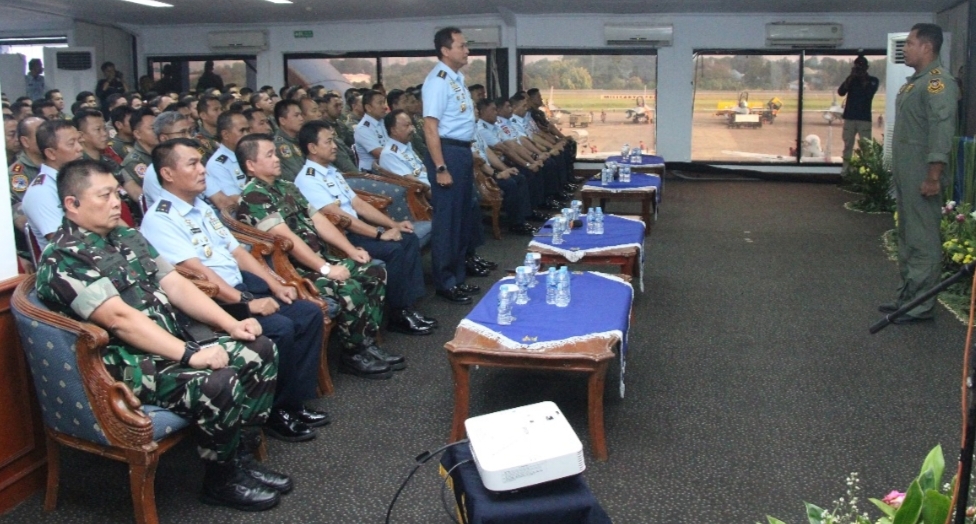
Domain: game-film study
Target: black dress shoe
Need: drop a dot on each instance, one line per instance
(282, 425)
(396, 362)
(473, 269)
(454, 295)
(402, 322)
(364, 365)
(427, 321)
(469, 289)
(226, 484)
(908, 319)
(522, 229)
(277, 481)
(537, 216)
(312, 418)
(570, 187)
(552, 205)
(484, 262)
(888, 308)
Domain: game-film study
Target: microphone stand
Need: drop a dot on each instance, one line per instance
(960, 495)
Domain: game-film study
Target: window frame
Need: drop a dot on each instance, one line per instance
(197, 58)
(802, 55)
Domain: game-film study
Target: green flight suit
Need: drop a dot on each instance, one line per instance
(925, 123)
(289, 154)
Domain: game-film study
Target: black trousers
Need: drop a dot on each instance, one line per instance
(297, 331)
(404, 268)
(452, 216)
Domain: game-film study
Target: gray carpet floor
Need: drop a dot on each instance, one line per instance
(752, 385)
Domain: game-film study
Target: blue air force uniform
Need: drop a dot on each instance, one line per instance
(323, 186)
(224, 174)
(370, 134)
(401, 159)
(181, 231)
(42, 206)
(447, 99)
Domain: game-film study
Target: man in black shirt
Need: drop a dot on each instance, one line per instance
(859, 88)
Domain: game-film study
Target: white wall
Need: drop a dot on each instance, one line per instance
(8, 255)
(675, 67)
(111, 45)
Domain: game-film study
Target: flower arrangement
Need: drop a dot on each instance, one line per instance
(869, 175)
(925, 501)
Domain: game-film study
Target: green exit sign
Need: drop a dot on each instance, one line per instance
(303, 34)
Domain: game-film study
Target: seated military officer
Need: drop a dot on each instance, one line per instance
(398, 156)
(209, 109)
(257, 121)
(310, 109)
(262, 102)
(134, 165)
(392, 242)
(345, 160)
(58, 140)
(123, 141)
(288, 115)
(10, 138)
(225, 179)
(275, 205)
(102, 272)
(188, 232)
(370, 133)
(167, 126)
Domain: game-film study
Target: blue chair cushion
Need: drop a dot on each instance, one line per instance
(398, 210)
(50, 353)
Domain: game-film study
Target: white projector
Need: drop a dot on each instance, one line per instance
(524, 446)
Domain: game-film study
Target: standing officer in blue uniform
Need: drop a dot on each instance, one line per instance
(449, 126)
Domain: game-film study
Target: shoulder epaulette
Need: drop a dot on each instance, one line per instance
(164, 206)
(936, 71)
(39, 180)
(222, 158)
(394, 148)
(310, 171)
(366, 123)
(442, 74)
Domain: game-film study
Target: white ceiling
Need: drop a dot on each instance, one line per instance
(19, 14)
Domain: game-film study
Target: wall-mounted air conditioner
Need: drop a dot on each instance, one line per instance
(71, 70)
(807, 36)
(483, 37)
(638, 35)
(237, 41)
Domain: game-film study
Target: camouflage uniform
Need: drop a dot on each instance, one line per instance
(418, 140)
(135, 164)
(121, 148)
(208, 143)
(22, 173)
(81, 270)
(290, 155)
(361, 297)
(925, 123)
(345, 160)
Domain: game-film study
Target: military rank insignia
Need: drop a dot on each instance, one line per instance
(936, 86)
(163, 206)
(310, 171)
(442, 74)
(394, 148)
(906, 88)
(285, 151)
(39, 180)
(936, 71)
(222, 158)
(18, 183)
(17, 168)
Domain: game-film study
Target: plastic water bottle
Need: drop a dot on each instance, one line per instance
(598, 221)
(590, 221)
(557, 230)
(567, 213)
(530, 264)
(563, 294)
(636, 156)
(605, 176)
(506, 297)
(551, 286)
(625, 174)
(625, 153)
(522, 277)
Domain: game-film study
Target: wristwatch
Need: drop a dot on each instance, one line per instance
(379, 232)
(442, 168)
(246, 296)
(191, 348)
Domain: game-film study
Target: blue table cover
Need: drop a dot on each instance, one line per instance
(638, 182)
(563, 501)
(599, 308)
(618, 233)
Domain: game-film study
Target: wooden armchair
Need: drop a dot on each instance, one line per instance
(266, 246)
(408, 199)
(491, 197)
(84, 407)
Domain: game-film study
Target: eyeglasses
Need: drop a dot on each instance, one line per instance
(181, 132)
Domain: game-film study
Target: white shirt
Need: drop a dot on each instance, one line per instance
(370, 134)
(400, 159)
(41, 205)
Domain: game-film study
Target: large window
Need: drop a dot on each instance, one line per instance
(605, 100)
(239, 70)
(31, 47)
(753, 107)
(396, 70)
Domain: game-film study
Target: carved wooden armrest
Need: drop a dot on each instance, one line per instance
(209, 288)
(378, 201)
(488, 188)
(417, 193)
(116, 408)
